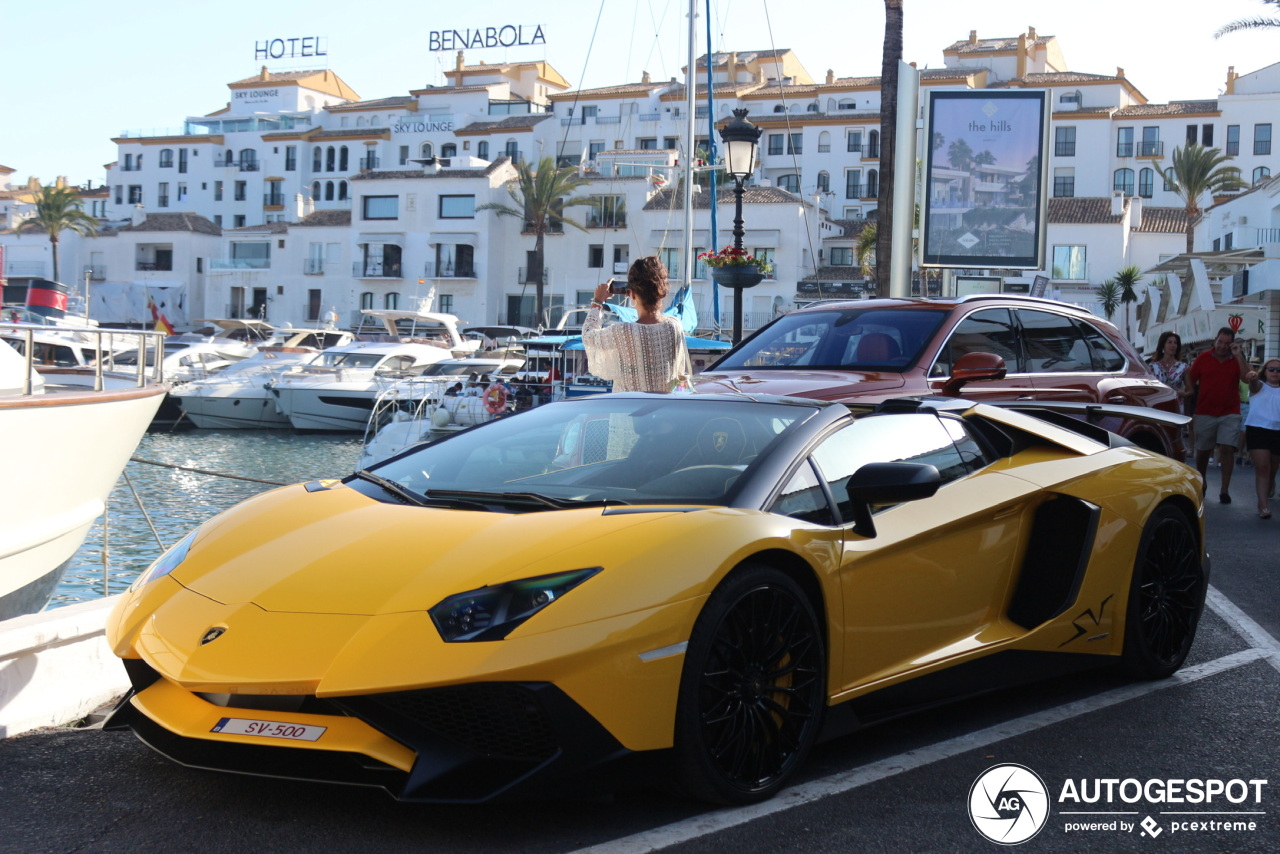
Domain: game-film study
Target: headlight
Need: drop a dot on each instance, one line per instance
(491, 613)
(167, 562)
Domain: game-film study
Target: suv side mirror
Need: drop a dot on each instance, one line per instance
(888, 483)
(971, 367)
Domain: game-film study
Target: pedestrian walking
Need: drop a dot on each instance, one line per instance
(1214, 378)
(1262, 431)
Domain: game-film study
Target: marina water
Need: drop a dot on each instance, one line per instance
(177, 501)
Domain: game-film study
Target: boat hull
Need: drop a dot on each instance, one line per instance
(65, 451)
(242, 409)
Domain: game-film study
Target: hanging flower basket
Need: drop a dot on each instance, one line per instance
(737, 276)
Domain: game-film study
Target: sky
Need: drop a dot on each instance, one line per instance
(77, 73)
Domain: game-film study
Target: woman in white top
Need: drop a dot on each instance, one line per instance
(1262, 430)
(648, 354)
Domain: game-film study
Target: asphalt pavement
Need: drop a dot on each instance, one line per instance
(901, 787)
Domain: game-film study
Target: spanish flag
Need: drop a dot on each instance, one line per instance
(162, 323)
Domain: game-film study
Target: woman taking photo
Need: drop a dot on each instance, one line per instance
(1262, 430)
(648, 354)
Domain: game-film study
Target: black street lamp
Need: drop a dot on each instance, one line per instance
(741, 143)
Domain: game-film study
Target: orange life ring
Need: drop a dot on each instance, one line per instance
(495, 398)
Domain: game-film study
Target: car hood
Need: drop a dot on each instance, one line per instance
(814, 384)
(336, 551)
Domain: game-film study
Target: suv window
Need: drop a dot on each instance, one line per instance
(1105, 355)
(990, 330)
(1055, 344)
(849, 338)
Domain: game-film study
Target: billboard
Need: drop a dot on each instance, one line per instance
(984, 199)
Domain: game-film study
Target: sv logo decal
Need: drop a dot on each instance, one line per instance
(1086, 620)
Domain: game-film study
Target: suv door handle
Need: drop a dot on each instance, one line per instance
(1115, 398)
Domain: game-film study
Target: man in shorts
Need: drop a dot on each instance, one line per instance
(1214, 379)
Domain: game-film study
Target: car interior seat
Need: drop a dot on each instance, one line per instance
(876, 348)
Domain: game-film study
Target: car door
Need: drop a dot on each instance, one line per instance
(933, 581)
(988, 330)
(1059, 358)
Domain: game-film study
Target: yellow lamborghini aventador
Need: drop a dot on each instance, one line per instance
(697, 586)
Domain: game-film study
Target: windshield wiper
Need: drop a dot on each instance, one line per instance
(524, 498)
(391, 486)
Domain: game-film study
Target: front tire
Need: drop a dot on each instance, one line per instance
(1166, 596)
(752, 691)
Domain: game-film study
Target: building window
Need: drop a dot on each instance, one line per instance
(1146, 183)
(119, 194)
(595, 256)
(842, 256)
(379, 207)
(1260, 174)
(366, 300)
(238, 221)
(328, 191)
(182, 192)
(482, 149)
(241, 191)
(135, 194)
(775, 143)
(1064, 142)
(404, 155)
(1069, 263)
(648, 143)
(1150, 145)
(607, 212)
(457, 207)
(795, 143)
(873, 144)
(343, 162)
(1123, 182)
(391, 301)
(162, 196)
(291, 158)
(873, 183)
(217, 191)
(1064, 183)
(1233, 140)
(445, 303)
(670, 258)
(455, 261)
(1262, 139)
(767, 254)
(342, 191)
(1206, 136)
(448, 150)
(217, 220)
(790, 183)
(1124, 142)
(824, 182)
(853, 184)
(248, 160)
(166, 158)
(315, 159)
(1070, 98)
(1193, 134)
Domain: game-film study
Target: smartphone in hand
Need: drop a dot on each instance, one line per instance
(616, 287)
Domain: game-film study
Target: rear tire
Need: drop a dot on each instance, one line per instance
(1166, 596)
(752, 691)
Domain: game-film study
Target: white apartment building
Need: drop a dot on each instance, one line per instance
(325, 200)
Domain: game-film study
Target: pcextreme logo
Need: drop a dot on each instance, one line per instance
(1009, 804)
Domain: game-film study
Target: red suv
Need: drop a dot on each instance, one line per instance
(872, 350)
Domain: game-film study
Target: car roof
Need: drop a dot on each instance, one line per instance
(946, 303)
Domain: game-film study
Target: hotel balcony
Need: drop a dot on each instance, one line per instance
(313, 267)
(239, 263)
(449, 271)
(376, 270)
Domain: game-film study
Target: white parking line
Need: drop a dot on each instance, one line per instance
(1244, 625)
(1265, 647)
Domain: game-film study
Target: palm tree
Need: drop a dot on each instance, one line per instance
(1109, 293)
(59, 209)
(541, 194)
(1195, 171)
(889, 59)
(1250, 23)
(1127, 279)
(864, 249)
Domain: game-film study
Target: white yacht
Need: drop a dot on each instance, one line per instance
(239, 396)
(337, 390)
(66, 447)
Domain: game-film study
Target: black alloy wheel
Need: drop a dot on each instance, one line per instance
(752, 691)
(1166, 596)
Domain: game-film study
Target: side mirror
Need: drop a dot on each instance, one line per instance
(888, 483)
(972, 367)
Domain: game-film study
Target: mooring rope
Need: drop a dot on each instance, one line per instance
(206, 471)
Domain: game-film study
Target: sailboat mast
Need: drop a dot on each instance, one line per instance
(690, 92)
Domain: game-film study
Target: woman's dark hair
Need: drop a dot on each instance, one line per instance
(1165, 336)
(647, 281)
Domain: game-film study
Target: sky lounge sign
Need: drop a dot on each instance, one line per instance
(507, 35)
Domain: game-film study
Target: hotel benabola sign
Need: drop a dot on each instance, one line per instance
(507, 35)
